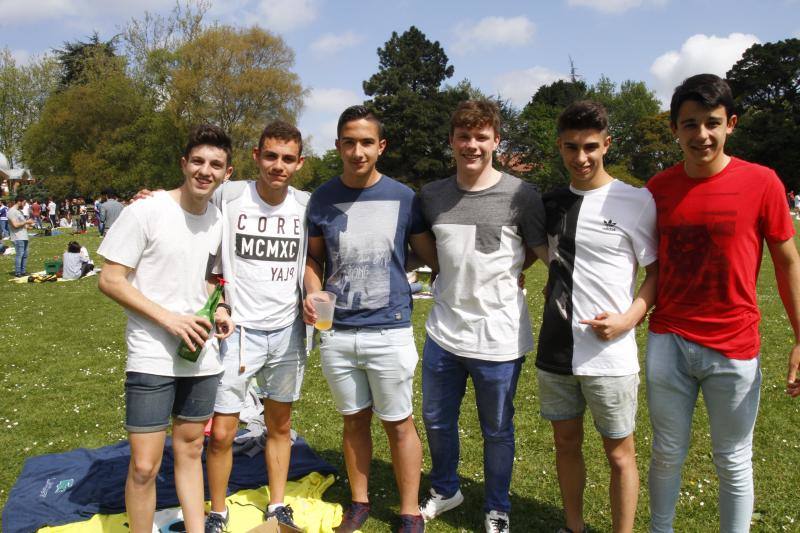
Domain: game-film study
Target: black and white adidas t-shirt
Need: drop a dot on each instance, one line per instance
(597, 240)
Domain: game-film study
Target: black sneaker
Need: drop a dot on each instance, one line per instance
(215, 523)
(353, 518)
(284, 514)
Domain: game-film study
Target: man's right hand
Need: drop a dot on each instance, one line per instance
(192, 329)
(309, 313)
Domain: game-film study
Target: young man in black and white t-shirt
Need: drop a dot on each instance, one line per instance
(600, 230)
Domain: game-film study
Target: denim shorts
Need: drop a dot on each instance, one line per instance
(612, 400)
(150, 399)
(277, 359)
(370, 366)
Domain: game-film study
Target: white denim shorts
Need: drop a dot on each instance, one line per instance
(370, 367)
(277, 359)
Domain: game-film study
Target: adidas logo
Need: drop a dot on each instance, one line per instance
(610, 225)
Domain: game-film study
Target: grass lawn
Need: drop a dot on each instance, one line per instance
(62, 356)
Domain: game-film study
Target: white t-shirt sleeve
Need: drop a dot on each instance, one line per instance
(645, 234)
(127, 239)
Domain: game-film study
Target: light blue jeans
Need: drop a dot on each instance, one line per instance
(676, 371)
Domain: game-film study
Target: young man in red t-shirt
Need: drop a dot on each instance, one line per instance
(714, 214)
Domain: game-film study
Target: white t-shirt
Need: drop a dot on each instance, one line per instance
(267, 242)
(597, 241)
(169, 250)
(51, 208)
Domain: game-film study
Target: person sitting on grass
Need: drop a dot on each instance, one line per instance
(76, 261)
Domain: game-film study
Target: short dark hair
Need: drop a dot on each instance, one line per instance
(73, 247)
(583, 115)
(708, 90)
(19, 197)
(211, 135)
(284, 131)
(476, 114)
(358, 112)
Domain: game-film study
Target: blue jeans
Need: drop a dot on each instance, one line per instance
(21, 257)
(677, 370)
(444, 381)
(4, 232)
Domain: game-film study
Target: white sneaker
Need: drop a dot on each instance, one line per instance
(497, 522)
(435, 504)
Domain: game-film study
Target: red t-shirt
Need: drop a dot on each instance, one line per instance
(712, 233)
(36, 209)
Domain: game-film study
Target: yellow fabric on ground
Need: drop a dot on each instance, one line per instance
(246, 509)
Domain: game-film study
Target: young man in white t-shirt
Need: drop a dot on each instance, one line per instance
(158, 257)
(600, 231)
(263, 261)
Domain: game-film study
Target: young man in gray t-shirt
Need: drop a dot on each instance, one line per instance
(489, 226)
(18, 225)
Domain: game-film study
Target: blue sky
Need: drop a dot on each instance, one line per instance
(505, 47)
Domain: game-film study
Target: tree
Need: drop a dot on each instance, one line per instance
(656, 147)
(237, 79)
(766, 86)
(23, 91)
(317, 170)
(75, 56)
(408, 96)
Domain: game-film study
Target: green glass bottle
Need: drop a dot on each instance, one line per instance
(206, 312)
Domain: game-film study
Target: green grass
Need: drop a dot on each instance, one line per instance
(62, 357)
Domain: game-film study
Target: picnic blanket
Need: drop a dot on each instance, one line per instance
(246, 511)
(43, 277)
(58, 489)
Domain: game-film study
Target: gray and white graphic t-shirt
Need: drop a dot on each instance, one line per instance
(481, 239)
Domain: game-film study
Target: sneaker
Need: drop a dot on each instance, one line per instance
(435, 504)
(410, 523)
(353, 518)
(215, 523)
(497, 522)
(284, 514)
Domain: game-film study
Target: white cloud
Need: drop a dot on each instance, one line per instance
(22, 12)
(17, 12)
(21, 57)
(284, 15)
(520, 85)
(321, 135)
(614, 6)
(699, 54)
(331, 43)
(493, 31)
(331, 100)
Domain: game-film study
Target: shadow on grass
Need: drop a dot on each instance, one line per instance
(527, 513)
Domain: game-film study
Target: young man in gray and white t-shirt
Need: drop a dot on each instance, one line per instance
(489, 226)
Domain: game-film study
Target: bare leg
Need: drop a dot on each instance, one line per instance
(140, 487)
(187, 445)
(407, 462)
(219, 458)
(357, 447)
(568, 437)
(278, 418)
(624, 489)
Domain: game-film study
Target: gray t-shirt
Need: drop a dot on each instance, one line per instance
(109, 212)
(481, 240)
(16, 216)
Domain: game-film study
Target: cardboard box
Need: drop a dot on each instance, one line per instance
(273, 526)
